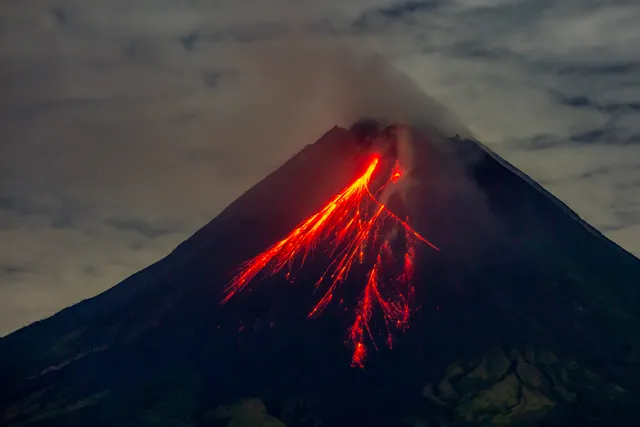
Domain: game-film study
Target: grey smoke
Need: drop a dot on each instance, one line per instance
(325, 82)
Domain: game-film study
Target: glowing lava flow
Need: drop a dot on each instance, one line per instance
(353, 224)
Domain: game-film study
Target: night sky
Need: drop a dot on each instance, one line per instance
(126, 125)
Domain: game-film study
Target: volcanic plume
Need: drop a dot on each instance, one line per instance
(358, 229)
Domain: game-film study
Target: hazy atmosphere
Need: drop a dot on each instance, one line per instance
(126, 125)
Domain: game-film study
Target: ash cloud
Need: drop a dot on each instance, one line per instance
(329, 82)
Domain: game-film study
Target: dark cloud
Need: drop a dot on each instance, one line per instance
(62, 213)
(14, 270)
(235, 34)
(405, 11)
(596, 70)
(190, 40)
(577, 101)
(608, 171)
(215, 78)
(622, 108)
(17, 205)
(608, 134)
(589, 137)
(407, 8)
(212, 79)
(541, 142)
(91, 270)
(145, 228)
(61, 16)
(582, 101)
(477, 50)
(594, 173)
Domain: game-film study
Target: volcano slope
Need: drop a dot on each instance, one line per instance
(525, 316)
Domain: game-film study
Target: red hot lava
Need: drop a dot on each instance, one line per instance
(360, 230)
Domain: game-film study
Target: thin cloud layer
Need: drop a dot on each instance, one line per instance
(128, 125)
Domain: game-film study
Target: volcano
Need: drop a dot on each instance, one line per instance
(386, 275)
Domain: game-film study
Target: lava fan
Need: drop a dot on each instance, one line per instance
(356, 229)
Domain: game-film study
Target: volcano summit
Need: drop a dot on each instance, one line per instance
(350, 224)
(465, 294)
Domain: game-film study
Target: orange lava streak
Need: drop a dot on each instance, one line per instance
(304, 238)
(352, 224)
(342, 264)
(363, 318)
(406, 226)
(395, 312)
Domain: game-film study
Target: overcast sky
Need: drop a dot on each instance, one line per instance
(126, 125)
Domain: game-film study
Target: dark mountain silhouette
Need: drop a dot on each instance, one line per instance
(527, 316)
